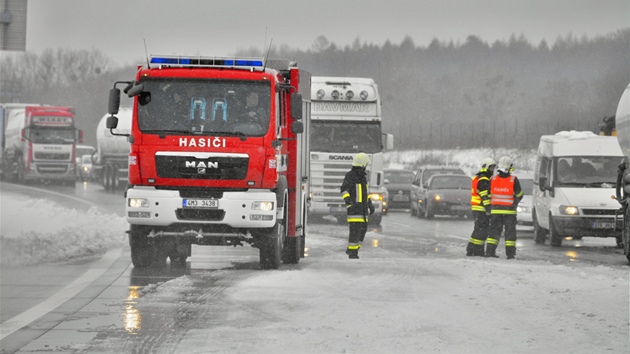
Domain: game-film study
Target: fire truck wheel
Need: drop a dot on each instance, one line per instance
(271, 247)
(625, 235)
(141, 249)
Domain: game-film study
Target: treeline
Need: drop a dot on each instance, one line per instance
(443, 96)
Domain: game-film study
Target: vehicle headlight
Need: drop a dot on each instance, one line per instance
(376, 197)
(138, 202)
(262, 205)
(569, 210)
(523, 209)
(437, 198)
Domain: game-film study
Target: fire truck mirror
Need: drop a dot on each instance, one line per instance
(296, 106)
(112, 122)
(114, 101)
(297, 127)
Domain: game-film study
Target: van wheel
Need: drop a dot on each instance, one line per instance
(540, 234)
(413, 211)
(555, 239)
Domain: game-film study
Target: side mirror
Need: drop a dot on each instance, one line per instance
(79, 137)
(385, 181)
(112, 122)
(297, 127)
(296, 106)
(542, 181)
(114, 101)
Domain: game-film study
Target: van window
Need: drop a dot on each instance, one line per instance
(543, 168)
(586, 171)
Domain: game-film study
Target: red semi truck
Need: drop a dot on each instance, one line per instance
(219, 156)
(40, 143)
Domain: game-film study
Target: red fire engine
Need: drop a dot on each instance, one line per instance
(219, 156)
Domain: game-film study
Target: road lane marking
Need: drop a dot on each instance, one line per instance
(9, 327)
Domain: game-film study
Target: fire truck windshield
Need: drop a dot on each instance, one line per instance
(187, 106)
(47, 135)
(329, 136)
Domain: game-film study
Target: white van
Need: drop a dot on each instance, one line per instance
(574, 187)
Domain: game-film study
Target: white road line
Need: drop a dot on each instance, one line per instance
(63, 295)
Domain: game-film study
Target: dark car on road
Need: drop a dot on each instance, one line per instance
(422, 176)
(446, 195)
(398, 184)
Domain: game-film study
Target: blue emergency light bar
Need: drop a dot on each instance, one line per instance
(208, 62)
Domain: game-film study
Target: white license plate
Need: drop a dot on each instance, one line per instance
(201, 203)
(602, 225)
(461, 207)
(401, 198)
(337, 208)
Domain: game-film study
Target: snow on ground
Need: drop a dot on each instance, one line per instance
(35, 231)
(388, 302)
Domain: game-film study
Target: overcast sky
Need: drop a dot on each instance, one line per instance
(211, 27)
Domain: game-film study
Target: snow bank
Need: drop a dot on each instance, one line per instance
(34, 231)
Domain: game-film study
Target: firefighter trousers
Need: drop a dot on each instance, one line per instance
(479, 235)
(356, 237)
(499, 223)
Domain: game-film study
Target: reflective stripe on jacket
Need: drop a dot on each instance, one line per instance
(503, 197)
(479, 195)
(354, 191)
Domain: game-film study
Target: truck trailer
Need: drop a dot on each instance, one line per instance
(219, 157)
(110, 161)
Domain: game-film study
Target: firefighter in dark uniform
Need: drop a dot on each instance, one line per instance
(506, 193)
(354, 191)
(480, 204)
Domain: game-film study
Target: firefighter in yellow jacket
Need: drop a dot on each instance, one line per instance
(506, 193)
(354, 191)
(480, 204)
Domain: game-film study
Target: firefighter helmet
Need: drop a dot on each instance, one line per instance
(360, 160)
(505, 164)
(487, 162)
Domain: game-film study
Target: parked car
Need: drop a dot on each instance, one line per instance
(85, 168)
(398, 184)
(446, 194)
(422, 176)
(524, 209)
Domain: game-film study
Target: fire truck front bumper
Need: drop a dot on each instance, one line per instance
(156, 207)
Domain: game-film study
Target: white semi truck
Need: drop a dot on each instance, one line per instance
(345, 120)
(622, 125)
(110, 162)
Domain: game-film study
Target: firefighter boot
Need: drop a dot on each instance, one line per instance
(491, 251)
(353, 254)
(510, 252)
(470, 249)
(478, 251)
